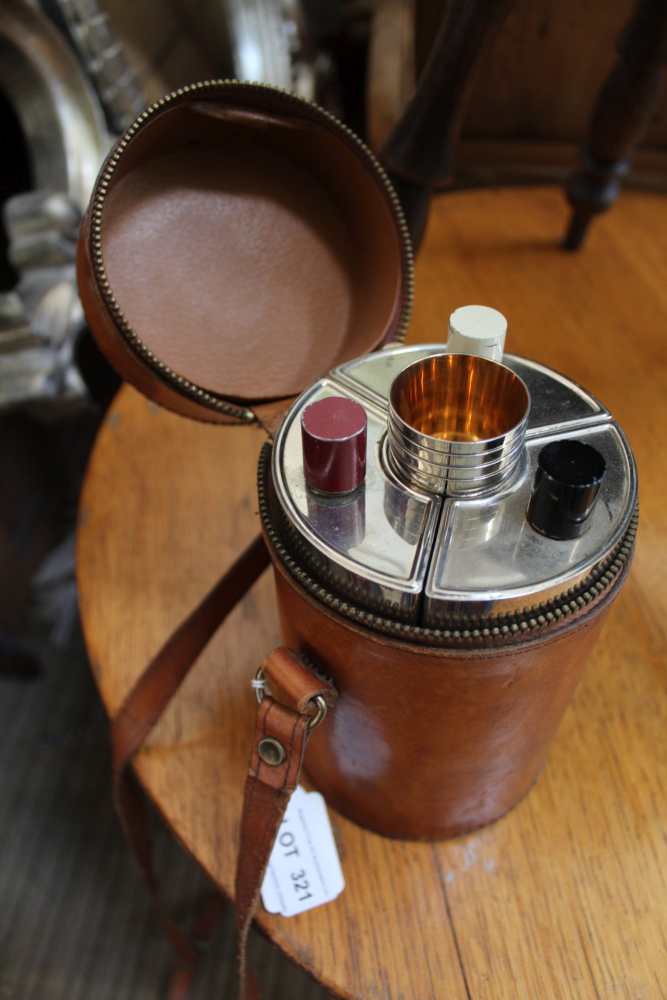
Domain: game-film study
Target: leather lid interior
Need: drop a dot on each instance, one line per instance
(250, 243)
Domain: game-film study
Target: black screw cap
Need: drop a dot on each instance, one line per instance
(566, 486)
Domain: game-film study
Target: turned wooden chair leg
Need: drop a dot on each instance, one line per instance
(621, 115)
(420, 150)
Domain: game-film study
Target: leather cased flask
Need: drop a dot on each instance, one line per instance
(454, 631)
(239, 244)
(427, 743)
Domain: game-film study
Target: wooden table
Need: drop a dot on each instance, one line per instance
(565, 897)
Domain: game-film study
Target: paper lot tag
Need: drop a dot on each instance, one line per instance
(304, 870)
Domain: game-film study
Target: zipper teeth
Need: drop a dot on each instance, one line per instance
(468, 632)
(101, 191)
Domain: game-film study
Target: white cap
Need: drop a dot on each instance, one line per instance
(478, 330)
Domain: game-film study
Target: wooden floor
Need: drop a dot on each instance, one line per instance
(567, 896)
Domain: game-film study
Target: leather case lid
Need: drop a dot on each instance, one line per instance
(240, 242)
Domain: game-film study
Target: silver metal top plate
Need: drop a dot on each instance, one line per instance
(486, 550)
(423, 559)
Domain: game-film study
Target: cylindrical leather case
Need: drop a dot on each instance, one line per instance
(435, 732)
(427, 743)
(241, 243)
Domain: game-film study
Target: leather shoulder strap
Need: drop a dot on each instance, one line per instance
(282, 733)
(140, 712)
(165, 673)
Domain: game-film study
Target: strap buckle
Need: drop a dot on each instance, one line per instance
(261, 688)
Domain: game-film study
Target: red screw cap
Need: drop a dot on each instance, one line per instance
(333, 432)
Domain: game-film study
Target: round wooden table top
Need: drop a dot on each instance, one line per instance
(567, 895)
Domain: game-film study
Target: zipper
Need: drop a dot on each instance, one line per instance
(468, 632)
(183, 385)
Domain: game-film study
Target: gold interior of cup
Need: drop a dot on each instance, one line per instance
(458, 397)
